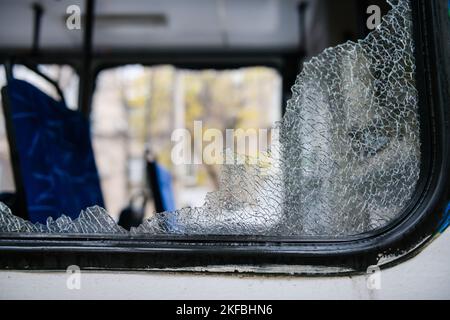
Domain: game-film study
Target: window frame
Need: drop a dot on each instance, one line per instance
(427, 216)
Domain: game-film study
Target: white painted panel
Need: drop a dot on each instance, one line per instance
(424, 277)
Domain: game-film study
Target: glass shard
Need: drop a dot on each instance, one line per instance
(92, 220)
(347, 160)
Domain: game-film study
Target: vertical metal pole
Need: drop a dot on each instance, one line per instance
(302, 28)
(292, 62)
(38, 11)
(86, 74)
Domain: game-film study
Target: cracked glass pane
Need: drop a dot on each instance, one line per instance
(91, 220)
(346, 160)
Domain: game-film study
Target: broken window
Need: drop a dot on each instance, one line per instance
(137, 108)
(346, 161)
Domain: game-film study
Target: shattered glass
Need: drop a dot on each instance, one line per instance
(347, 159)
(92, 220)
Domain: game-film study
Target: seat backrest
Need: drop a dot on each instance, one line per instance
(56, 168)
(160, 181)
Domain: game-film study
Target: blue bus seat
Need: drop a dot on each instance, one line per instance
(160, 181)
(56, 167)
